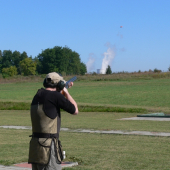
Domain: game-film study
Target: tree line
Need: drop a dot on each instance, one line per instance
(58, 59)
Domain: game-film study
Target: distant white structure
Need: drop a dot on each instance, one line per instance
(100, 71)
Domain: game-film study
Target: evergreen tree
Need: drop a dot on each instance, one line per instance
(108, 70)
(6, 60)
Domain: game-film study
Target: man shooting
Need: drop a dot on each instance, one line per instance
(45, 152)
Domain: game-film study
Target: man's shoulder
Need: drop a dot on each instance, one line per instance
(54, 94)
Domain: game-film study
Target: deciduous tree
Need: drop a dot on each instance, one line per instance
(28, 67)
(9, 72)
(83, 69)
(60, 60)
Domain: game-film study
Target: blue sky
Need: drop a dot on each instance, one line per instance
(91, 28)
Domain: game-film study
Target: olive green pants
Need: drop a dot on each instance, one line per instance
(52, 165)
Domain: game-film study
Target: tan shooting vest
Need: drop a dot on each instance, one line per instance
(44, 131)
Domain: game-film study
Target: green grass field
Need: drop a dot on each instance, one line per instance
(92, 151)
(89, 120)
(151, 94)
(96, 151)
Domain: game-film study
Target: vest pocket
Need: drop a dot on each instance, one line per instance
(39, 150)
(45, 142)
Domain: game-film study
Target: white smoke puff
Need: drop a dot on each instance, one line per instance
(108, 57)
(90, 64)
(120, 35)
(123, 49)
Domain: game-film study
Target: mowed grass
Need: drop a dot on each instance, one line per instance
(14, 145)
(154, 92)
(94, 151)
(114, 152)
(18, 91)
(89, 120)
(146, 93)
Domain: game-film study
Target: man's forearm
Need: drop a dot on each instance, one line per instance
(69, 97)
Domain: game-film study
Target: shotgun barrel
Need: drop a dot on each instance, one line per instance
(67, 84)
(71, 80)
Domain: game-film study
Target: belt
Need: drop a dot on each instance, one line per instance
(45, 135)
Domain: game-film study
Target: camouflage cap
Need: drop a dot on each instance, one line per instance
(55, 77)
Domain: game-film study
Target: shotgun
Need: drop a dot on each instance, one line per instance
(68, 83)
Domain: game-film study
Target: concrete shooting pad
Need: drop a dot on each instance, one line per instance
(121, 132)
(26, 166)
(63, 164)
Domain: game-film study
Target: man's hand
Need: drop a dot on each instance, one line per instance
(65, 91)
(70, 85)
